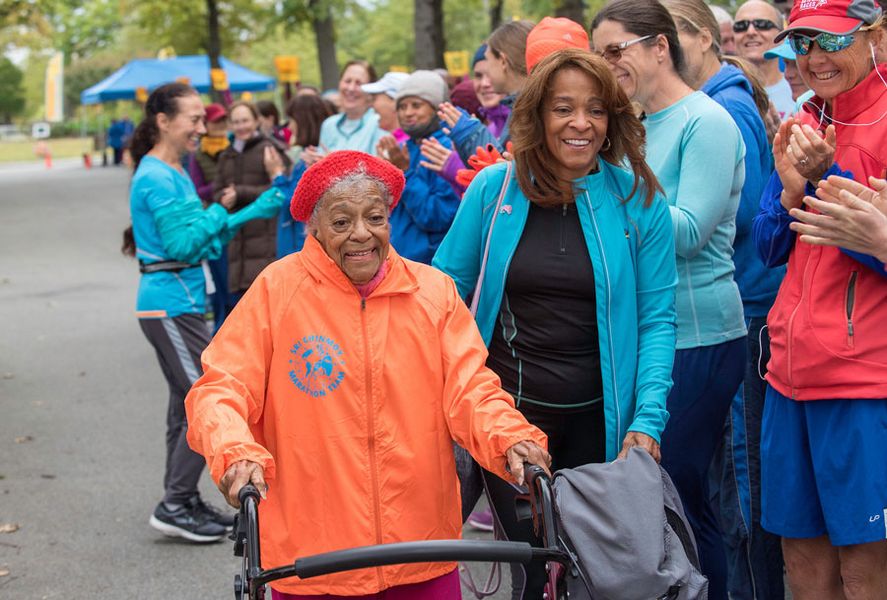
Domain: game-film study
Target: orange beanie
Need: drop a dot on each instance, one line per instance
(553, 34)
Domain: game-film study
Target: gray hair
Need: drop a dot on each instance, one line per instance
(345, 183)
(721, 14)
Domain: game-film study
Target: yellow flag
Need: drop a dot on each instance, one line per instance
(141, 94)
(287, 68)
(457, 63)
(219, 79)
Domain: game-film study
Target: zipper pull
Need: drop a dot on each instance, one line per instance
(363, 304)
(565, 210)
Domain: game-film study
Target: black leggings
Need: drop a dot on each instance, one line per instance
(575, 438)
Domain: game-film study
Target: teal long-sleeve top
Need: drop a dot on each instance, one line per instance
(632, 255)
(696, 151)
(170, 224)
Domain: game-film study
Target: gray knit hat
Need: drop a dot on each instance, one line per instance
(427, 85)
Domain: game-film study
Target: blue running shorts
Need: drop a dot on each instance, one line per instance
(824, 469)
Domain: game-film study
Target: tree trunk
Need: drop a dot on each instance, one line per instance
(214, 45)
(325, 36)
(496, 7)
(571, 9)
(428, 27)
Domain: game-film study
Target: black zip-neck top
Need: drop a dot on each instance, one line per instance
(545, 345)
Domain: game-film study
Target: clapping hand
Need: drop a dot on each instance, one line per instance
(389, 149)
(229, 196)
(435, 155)
(273, 163)
(850, 215)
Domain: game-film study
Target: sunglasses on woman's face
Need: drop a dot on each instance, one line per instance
(829, 42)
(613, 53)
(760, 25)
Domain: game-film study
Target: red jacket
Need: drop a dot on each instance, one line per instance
(828, 326)
(352, 408)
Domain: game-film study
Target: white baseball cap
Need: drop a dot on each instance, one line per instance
(389, 84)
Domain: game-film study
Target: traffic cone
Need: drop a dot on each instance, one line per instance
(47, 158)
(87, 160)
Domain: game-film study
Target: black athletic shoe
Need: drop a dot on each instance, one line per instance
(186, 522)
(224, 519)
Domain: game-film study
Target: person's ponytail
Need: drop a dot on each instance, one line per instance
(143, 139)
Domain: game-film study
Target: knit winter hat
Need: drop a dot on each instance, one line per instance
(479, 55)
(553, 34)
(427, 85)
(465, 97)
(321, 176)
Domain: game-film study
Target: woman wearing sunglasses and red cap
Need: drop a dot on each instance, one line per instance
(824, 477)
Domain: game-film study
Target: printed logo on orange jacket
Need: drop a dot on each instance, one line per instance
(317, 366)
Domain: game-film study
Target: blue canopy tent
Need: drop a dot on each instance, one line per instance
(151, 73)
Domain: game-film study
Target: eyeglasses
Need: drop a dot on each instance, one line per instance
(829, 42)
(613, 53)
(760, 25)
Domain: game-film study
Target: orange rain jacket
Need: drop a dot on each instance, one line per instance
(351, 407)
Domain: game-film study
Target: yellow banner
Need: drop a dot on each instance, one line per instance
(141, 94)
(457, 63)
(55, 84)
(399, 69)
(287, 68)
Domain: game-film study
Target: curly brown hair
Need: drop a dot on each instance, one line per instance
(624, 130)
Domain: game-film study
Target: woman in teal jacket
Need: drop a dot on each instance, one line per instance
(173, 236)
(569, 259)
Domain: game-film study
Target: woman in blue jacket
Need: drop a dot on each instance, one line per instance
(569, 259)
(429, 203)
(173, 235)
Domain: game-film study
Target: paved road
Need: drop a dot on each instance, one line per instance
(82, 403)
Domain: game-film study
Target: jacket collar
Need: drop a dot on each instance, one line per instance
(321, 268)
(848, 105)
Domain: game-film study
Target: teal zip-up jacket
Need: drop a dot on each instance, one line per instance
(633, 258)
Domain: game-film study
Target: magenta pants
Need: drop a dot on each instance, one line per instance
(445, 587)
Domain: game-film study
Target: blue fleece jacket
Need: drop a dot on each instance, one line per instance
(290, 233)
(632, 253)
(426, 208)
(757, 283)
(468, 133)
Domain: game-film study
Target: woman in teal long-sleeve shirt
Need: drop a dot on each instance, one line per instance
(172, 236)
(695, 149)
(577, 274)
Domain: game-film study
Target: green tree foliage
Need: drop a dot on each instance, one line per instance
(183, 25)
(12, 94)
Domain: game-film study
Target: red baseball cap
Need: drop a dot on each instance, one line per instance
(215, 112)
(830, 16)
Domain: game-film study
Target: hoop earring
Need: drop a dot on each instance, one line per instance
(608, 144)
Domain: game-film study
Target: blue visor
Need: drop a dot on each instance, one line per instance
(783, 51)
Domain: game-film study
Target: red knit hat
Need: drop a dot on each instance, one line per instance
(553, 34)
(336, 165)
